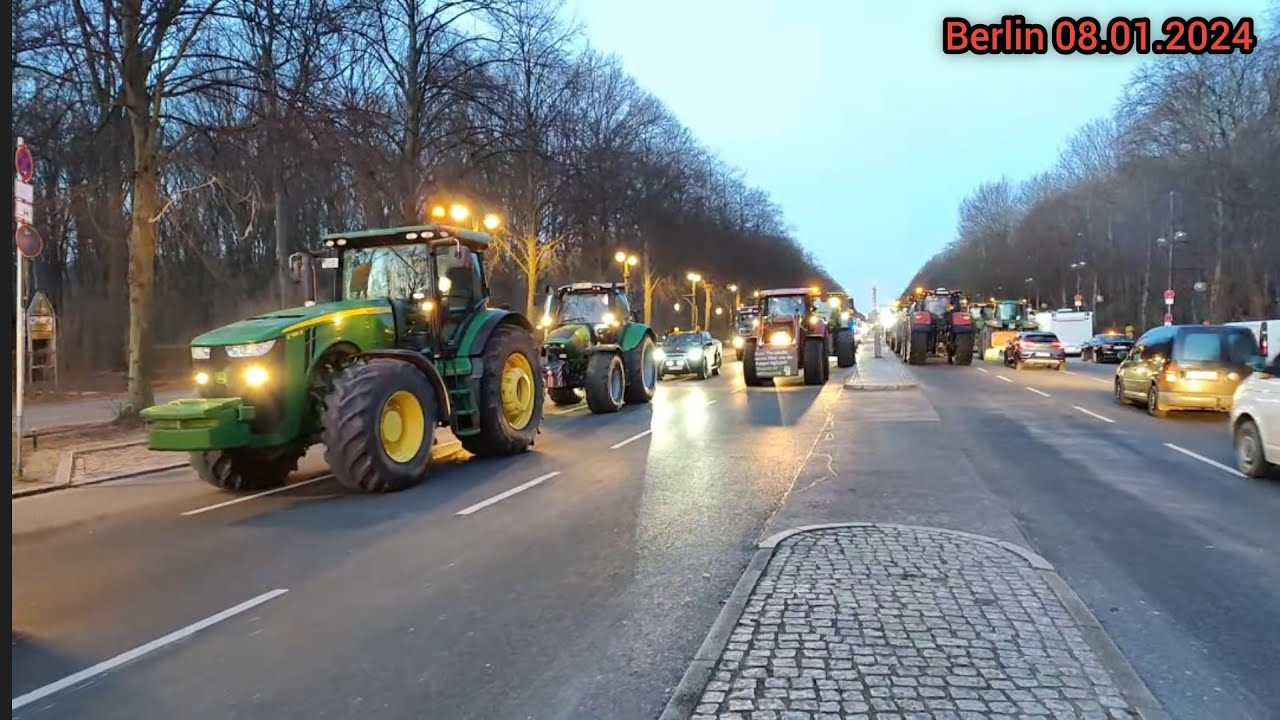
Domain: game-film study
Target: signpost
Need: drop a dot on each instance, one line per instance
(1168, 297)
(26, 239)
(1168, 319)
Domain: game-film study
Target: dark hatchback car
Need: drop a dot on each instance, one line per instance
(1035, 348)
(1106, 348)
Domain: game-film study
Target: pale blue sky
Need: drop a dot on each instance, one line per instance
(851, 116)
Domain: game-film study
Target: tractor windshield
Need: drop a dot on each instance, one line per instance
(747, 320)
(784, 306)
(589, 308)
(390, 271)
(936, 305)
(1007, 312)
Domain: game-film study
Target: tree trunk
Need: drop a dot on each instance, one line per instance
(283, 219)
(647, 279)
(142, 274)
(531, 251)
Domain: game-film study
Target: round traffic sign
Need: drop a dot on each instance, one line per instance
(1168, 294)
(1079, 298)
(1168, 318)
(29, 242)
(24, 163)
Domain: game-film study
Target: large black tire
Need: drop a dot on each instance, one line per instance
(917, 350)
(642, 372)
(352, 426)
(1154, 408)
(846, 351)
(605, 382)
(815, 361)
(564, 396)
(245, 469)
(499, 435)
(964, 349)
(749, 376)
(739, 352)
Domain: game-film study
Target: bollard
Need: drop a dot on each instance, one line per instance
(878, 333)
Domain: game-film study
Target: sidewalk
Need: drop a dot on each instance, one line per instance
(873, 620)
(886, 372)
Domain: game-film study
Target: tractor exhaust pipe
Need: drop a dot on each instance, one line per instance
(302, 268)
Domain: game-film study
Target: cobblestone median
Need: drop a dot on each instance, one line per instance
(888, 622)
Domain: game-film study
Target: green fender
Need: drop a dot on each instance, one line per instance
(633, 334)
(482, 326)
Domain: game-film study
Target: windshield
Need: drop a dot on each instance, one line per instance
(1007, 311)
(747, 320)
(683, 340)
(391, 271)
(936, 305)
(1040, 338)
(587, 308)
(1113, 338)
(784, 306)
(1211, 345)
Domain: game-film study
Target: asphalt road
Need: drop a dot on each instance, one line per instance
(1146, 518)
(574, 581)
(578, 580)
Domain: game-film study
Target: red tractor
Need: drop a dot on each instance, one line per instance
(790, 340)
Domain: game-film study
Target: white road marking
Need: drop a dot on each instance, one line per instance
(711, 402)
(982, 369)
(264, 493)
(1204, 459)
(77, 678)
(1093, 414)
(1004, 378)
(1039, 392)
(631, 439)
(273, 491)
(504, 495)
(567, 411)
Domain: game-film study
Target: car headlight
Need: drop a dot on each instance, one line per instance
(738, 342)
(659, 354)
(201, 353)
(257, 349)
(695, 353)
(781, 337)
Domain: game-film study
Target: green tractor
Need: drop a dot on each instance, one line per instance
(410, 345)
(594, 343)
(997, 321)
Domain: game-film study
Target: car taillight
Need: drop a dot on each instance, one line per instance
(1057, 346)
(1171, 372)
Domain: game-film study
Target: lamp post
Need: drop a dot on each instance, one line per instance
(693, 278)
(1178, 237)
(737, 301)
(627, 261)
(1078, 266)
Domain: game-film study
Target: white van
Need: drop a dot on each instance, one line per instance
(1273, 334)
(1074, 328)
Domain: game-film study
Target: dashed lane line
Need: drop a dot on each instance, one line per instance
(983, 370)
(1038, 392)
(134, 654)
(1204, 459)
(631, 439)
(1004, 378)
(504, 495)
(1093, 414)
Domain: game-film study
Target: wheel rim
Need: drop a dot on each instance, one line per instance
(1119, 392)
(403, 426)
(648, 368)
(517, 390)
(1246, 448)
(615, 383)
(1153, 402)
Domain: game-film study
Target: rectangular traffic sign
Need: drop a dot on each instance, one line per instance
(24, 192)
(23, 211)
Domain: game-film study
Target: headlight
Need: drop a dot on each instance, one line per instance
(610, 319)
(202, 378)
(659, 354)
(781, 337)
(844, 315)
(814, 318)
(738, 341)
(695, 353)
(250, 350)
(200, 353)
(256, 376)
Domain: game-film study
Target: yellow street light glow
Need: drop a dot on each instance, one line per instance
(677, 307)
(438, 212)
(546, 321)
(719, 311)
(732, 287)
(428, 306)
(256, 376)
(919, 291)
(814, 289)
(693, 277)
(619, 256)
(633, 261)
(459, 212)
(491, 221)
(202, 378)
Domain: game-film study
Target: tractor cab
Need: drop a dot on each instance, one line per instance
(745, 321)
(586, 313)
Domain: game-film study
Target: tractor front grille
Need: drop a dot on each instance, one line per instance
(227, 379)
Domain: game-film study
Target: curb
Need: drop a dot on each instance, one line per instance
(98, 480)
(881, 387)
(687, 693)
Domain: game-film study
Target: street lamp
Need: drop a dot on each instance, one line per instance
(459, 212)
(737, 302)
(694, 278)
(1078, 266)
(491, 222)
(627, 261)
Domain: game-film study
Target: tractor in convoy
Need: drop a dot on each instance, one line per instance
(842, 322)
(410, 344)
(790, 340)
(745, 321)
(595, 344)
(937, 323)
(996, 322)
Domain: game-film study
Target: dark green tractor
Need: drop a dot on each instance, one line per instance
(410, 345)
(595, 344)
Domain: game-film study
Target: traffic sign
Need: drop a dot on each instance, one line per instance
(29, 242)
(1079, 300)
(24, 198)
(24, 162)
(1168, 319)
(1168, 294)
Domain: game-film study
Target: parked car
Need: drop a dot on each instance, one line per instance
(1035, 348)
(1107, 347)
(1255, 419)
(1186, 367)
(688, 353)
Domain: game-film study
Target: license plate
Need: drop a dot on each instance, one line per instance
(1039, 354)
(673, 363)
